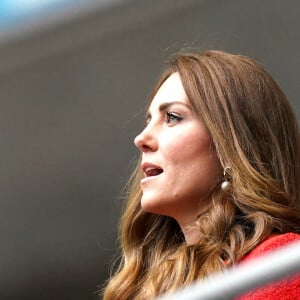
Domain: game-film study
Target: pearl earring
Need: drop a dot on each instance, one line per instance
(226, 184)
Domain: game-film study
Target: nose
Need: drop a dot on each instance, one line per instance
(146, 141)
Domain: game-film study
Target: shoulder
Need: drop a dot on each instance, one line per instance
(286, 289)
(272, 243)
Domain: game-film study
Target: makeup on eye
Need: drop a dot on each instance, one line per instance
(169, 115)
(172, 117)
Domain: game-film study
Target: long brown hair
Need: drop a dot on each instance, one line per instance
(255, 132)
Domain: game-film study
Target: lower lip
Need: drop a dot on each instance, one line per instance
(146, 179)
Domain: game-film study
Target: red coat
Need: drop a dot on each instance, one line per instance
(286, 289)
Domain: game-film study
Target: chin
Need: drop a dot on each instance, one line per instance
(149, 206)
(152, 206)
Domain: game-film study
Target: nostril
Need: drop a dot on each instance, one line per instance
(145, 148)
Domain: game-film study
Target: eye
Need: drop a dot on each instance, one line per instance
(173, 117)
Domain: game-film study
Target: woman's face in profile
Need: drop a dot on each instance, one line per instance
(179, 161)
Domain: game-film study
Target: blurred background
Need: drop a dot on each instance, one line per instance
(74, 78)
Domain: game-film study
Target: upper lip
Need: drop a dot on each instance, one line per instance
(149, 168)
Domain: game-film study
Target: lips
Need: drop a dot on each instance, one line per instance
(151, 170)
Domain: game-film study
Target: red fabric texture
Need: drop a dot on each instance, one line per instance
(286, 289)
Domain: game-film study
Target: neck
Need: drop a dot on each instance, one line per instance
(190, 232)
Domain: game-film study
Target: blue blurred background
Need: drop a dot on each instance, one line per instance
(12, 12)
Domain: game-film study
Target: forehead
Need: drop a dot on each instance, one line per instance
(171, 90)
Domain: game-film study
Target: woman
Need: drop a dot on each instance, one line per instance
(217, 182)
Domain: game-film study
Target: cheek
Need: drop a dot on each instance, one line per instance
(186, 148)
(195, 161)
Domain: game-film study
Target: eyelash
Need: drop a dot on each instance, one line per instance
(169, 118)
(172, 117)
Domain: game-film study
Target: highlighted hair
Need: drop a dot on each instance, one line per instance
(255, 132)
